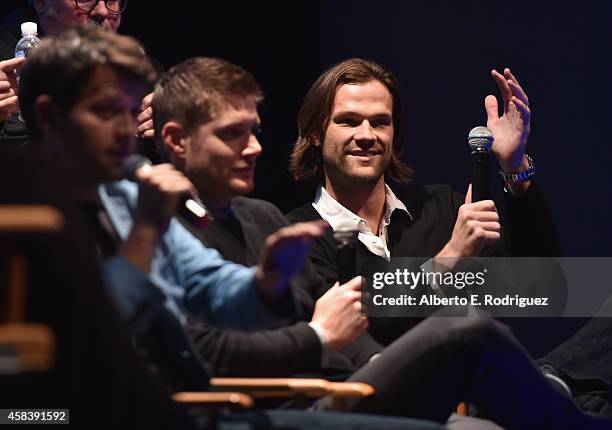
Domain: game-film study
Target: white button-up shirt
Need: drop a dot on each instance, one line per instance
(335, 214)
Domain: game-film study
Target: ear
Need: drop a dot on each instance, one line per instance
(174, 138)
(45, 113)
(316, 141)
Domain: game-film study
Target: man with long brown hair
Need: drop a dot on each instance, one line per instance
(350, 140)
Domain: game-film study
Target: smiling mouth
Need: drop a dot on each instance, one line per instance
(364, 154)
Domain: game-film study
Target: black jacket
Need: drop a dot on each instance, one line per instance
(529, 231)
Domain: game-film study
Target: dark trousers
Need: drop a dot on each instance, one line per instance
(585, 362)
(445, 360)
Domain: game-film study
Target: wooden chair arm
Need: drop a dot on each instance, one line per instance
(26, 348)
(274, 387)
(214, 399)
(351, 389)
(30, 219)
(295, 387)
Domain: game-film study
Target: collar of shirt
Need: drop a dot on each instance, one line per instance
(335, 214)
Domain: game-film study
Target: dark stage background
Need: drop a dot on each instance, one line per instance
(442, 52)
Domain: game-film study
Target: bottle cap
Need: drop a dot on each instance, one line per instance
(29, 29)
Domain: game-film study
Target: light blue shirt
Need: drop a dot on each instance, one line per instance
(184, 275)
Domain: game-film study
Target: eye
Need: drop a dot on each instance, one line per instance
(380, 122)
(107, 111)
(231, 133)
(347, 121)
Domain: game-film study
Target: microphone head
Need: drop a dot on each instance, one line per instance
(132, 163)
(480, 139)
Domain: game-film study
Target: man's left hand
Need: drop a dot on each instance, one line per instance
(510, 131)
(146, 130)
(285, 253)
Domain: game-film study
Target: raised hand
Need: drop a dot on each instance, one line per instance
(146, 128)
(511, 129)
(284, 255)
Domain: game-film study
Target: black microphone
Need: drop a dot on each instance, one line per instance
(346, 238)
(480, 140)
(190, 208)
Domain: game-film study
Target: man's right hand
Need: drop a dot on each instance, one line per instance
(9, 102)
(160, 189)
(339, 313)
(477, 226)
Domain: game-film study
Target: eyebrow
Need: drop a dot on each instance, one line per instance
(359, 115)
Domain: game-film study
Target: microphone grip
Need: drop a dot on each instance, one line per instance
(480, 176)
(347, 267)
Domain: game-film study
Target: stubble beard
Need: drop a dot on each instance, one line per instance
(340, 169)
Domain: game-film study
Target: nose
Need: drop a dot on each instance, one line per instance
(364, 133)
(253, 148)
(100, 11)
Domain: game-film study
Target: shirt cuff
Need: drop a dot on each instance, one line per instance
(325, 351)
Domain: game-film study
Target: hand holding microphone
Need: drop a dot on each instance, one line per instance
(477, 224)
(163, 192)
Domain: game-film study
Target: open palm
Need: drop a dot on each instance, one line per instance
(511, 129)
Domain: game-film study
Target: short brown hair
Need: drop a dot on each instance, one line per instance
(61, 66)
(306, 162)
(191, 91)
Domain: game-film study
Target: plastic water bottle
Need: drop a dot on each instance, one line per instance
(28, 41)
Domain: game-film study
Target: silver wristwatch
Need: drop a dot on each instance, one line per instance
(519, 177)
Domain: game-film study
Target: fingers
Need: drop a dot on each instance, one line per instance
(12, 64)
(468, 194)
(518, 92)
(8, 70)
(523, 109)
(145, 127)
(484, 216)
(147, 101)
(5, 85)
(513, 81)
(483, 205)
(165, 178)
(502, 83)
(303, 233)
(354, 284)
(145, 115)
(491, 107)
(9, 106)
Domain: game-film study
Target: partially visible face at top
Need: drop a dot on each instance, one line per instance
(220, 155)
(57, 15)
(97, 133)
(359, 139)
